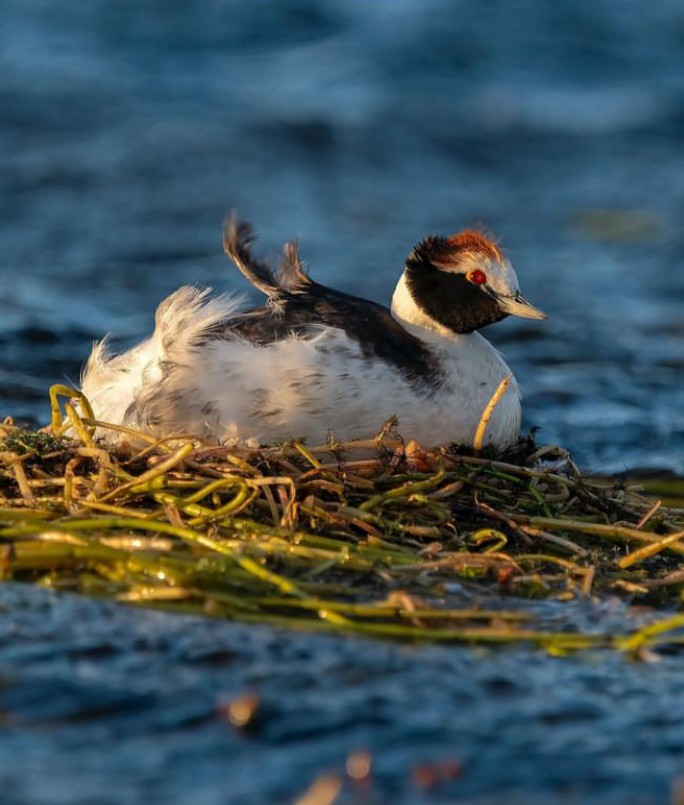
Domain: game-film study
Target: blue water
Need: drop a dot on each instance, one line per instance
(127, 131)
(113, 705)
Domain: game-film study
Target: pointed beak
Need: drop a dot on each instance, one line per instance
(517, 305)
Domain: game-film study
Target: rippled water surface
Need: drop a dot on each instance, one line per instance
(109, 704)
(128, 131)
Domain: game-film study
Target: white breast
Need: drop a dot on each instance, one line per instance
(473, 372)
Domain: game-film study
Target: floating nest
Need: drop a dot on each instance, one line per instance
(374, 537)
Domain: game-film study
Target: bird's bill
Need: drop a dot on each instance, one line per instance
(517, 305)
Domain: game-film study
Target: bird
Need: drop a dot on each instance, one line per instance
(316, 364)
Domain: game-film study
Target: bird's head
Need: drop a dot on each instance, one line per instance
(463, 282)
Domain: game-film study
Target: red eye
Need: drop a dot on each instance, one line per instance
(478, 277)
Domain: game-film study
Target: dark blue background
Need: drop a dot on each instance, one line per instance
(128, 130)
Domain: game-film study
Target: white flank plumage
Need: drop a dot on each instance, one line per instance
(117, 385)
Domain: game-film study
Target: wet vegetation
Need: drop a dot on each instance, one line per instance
(377, 538)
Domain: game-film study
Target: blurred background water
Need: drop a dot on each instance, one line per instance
(128, 130)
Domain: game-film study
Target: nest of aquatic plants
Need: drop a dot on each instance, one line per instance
(375, 537)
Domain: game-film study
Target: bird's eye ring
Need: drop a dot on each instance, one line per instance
(477, 277)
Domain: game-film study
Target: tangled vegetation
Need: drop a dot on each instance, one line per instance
(375, 538)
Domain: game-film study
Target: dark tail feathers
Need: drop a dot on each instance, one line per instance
(238, 237)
